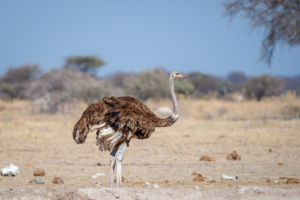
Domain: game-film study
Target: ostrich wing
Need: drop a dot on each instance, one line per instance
(127, 114)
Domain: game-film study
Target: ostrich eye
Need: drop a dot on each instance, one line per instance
(177, 73)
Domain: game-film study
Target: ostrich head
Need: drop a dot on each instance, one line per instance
(175, 75)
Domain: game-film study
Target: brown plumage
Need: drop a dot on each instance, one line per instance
(123, 114)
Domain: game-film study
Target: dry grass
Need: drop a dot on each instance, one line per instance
(258, 131)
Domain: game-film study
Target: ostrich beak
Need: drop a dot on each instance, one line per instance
(181, 76)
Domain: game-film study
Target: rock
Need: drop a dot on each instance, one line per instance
(204, 158)
(167, 181)
(212, 181)
(28, 165)
(39, 172)
(58, 180)
(39, 181)
(199, 178)
(155, 186)
(194, 173)
(280, 163)
(233, 156)
(31, 181)
(268, 181)
(99, 183)
(10, 169)
(292, 180)
(196, 188)
(212, 159)
(100, 174)
(229, 157)
(147, 184)
(226, 177)
(207, 158)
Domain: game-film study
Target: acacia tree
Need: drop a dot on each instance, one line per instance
(87, 64)
(279, 18)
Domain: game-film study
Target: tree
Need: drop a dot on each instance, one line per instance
(84, 63)
(279, 18)
(15, 80)
(237, 77)
(263, 86)
(21, 74)
(206, 84)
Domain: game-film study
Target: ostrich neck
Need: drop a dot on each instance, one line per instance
(175, 113)
(172, 118)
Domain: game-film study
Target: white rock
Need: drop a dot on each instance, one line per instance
(99, 183)
(147, 184)
(225, 177)
(100, 174)
(155, 186)
(196, 188)
(11, 169)
(275, 181)
(95, 176)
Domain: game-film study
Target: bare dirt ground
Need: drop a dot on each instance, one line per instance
(260, 132)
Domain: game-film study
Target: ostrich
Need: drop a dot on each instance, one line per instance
(117, 120)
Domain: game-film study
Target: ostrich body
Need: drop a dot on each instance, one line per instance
(117, 120)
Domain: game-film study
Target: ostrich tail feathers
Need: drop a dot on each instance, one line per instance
(80, 131)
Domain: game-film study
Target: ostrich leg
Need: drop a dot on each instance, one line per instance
(119, 157)
(116, 156)
(112, 168)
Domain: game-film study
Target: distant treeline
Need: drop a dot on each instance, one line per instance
(69, 85)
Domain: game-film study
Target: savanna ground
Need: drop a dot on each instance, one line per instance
(263, 133)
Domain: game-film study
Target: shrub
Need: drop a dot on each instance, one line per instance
(206, 84)
(290, 112)
(263, 86)
(15, 80)
(148, 84)
(184, 87)
(65, 86)
(292, 84)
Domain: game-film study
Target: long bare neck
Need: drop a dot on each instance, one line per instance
(175, 113)
(174, 116)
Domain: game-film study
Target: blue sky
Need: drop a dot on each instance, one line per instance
(135, 35)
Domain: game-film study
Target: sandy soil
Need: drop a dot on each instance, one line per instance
(71, 192)
(169, 158)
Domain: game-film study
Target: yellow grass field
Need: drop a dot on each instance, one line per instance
(263, 133)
